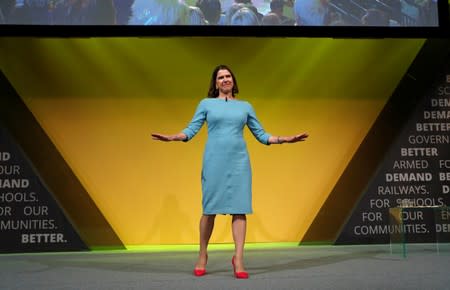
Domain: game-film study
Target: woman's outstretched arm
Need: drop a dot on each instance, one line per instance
(288, 139)
(190, 131)
(168, 138)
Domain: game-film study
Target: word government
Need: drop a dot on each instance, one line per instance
(429, 139)
(406, 177)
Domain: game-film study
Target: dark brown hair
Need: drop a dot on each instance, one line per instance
(213, 92)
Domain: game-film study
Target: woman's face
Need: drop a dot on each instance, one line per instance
(224, 81)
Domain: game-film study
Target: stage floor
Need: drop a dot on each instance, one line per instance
(304, 267)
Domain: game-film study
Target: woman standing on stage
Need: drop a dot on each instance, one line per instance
(226, 173)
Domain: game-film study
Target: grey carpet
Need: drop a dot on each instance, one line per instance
(306, 267)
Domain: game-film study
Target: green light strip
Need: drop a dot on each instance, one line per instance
(211, 247)
(163, 248)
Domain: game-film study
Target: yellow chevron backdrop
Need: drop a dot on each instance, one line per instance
(98, 99)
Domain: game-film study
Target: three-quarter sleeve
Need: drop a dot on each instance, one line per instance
(255, 127)
(196, 123)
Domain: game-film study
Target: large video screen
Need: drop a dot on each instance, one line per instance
(359, 13)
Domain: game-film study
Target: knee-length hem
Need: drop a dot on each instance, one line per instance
(226, 175)
(226, 213)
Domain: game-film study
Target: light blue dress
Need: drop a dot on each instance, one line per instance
(226, 172)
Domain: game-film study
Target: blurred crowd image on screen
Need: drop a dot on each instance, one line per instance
(221, 12)
(66, 12)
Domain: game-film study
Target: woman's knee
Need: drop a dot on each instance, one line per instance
(209, 217)
(239, 217)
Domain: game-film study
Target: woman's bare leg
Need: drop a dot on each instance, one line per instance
(206, 228)
(239, 227)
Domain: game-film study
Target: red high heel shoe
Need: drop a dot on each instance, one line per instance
(238, 275)
(200, 272)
